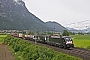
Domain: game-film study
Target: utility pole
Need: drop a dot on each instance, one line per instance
(35, 34)
(54, 30)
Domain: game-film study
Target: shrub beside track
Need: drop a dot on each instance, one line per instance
(24, 50)
(2, 36)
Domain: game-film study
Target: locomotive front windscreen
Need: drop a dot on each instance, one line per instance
(68, 39)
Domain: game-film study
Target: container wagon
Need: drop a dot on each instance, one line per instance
(27, 37)
(21, 35)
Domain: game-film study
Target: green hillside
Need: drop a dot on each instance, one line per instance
(2, 38)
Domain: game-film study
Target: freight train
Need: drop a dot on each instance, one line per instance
(58, 41)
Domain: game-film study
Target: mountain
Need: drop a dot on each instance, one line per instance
(87, 30)
(75, 30)
(55, 26)
(15, 16)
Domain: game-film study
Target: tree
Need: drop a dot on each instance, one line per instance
(65, 33)
(30, 32)
(80, 33)
(71, 33)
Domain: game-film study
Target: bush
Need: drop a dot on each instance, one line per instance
(65, 33)
(88, 47)
(26, 51)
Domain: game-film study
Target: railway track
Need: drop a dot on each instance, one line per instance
(80, 52)
(77, 52)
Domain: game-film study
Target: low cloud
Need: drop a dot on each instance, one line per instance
(18, 2)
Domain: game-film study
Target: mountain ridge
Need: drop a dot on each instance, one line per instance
(15, 16)
(55, 26)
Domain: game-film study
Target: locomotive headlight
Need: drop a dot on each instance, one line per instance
(69, 42)
(45, 38)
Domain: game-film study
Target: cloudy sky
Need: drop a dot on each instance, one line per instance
(62, 11)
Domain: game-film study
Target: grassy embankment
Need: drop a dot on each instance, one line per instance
(24, 50)
(82, 41)
(2, 38)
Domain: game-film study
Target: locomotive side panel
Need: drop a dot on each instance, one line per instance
(55, 40)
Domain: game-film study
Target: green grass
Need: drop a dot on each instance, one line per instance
(82, 41)
(24, 50)
(2, 38)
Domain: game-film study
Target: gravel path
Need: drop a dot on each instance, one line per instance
(5, 53)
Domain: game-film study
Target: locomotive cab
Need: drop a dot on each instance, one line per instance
(67, 42)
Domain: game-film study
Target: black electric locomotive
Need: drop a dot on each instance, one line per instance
(59, 41)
